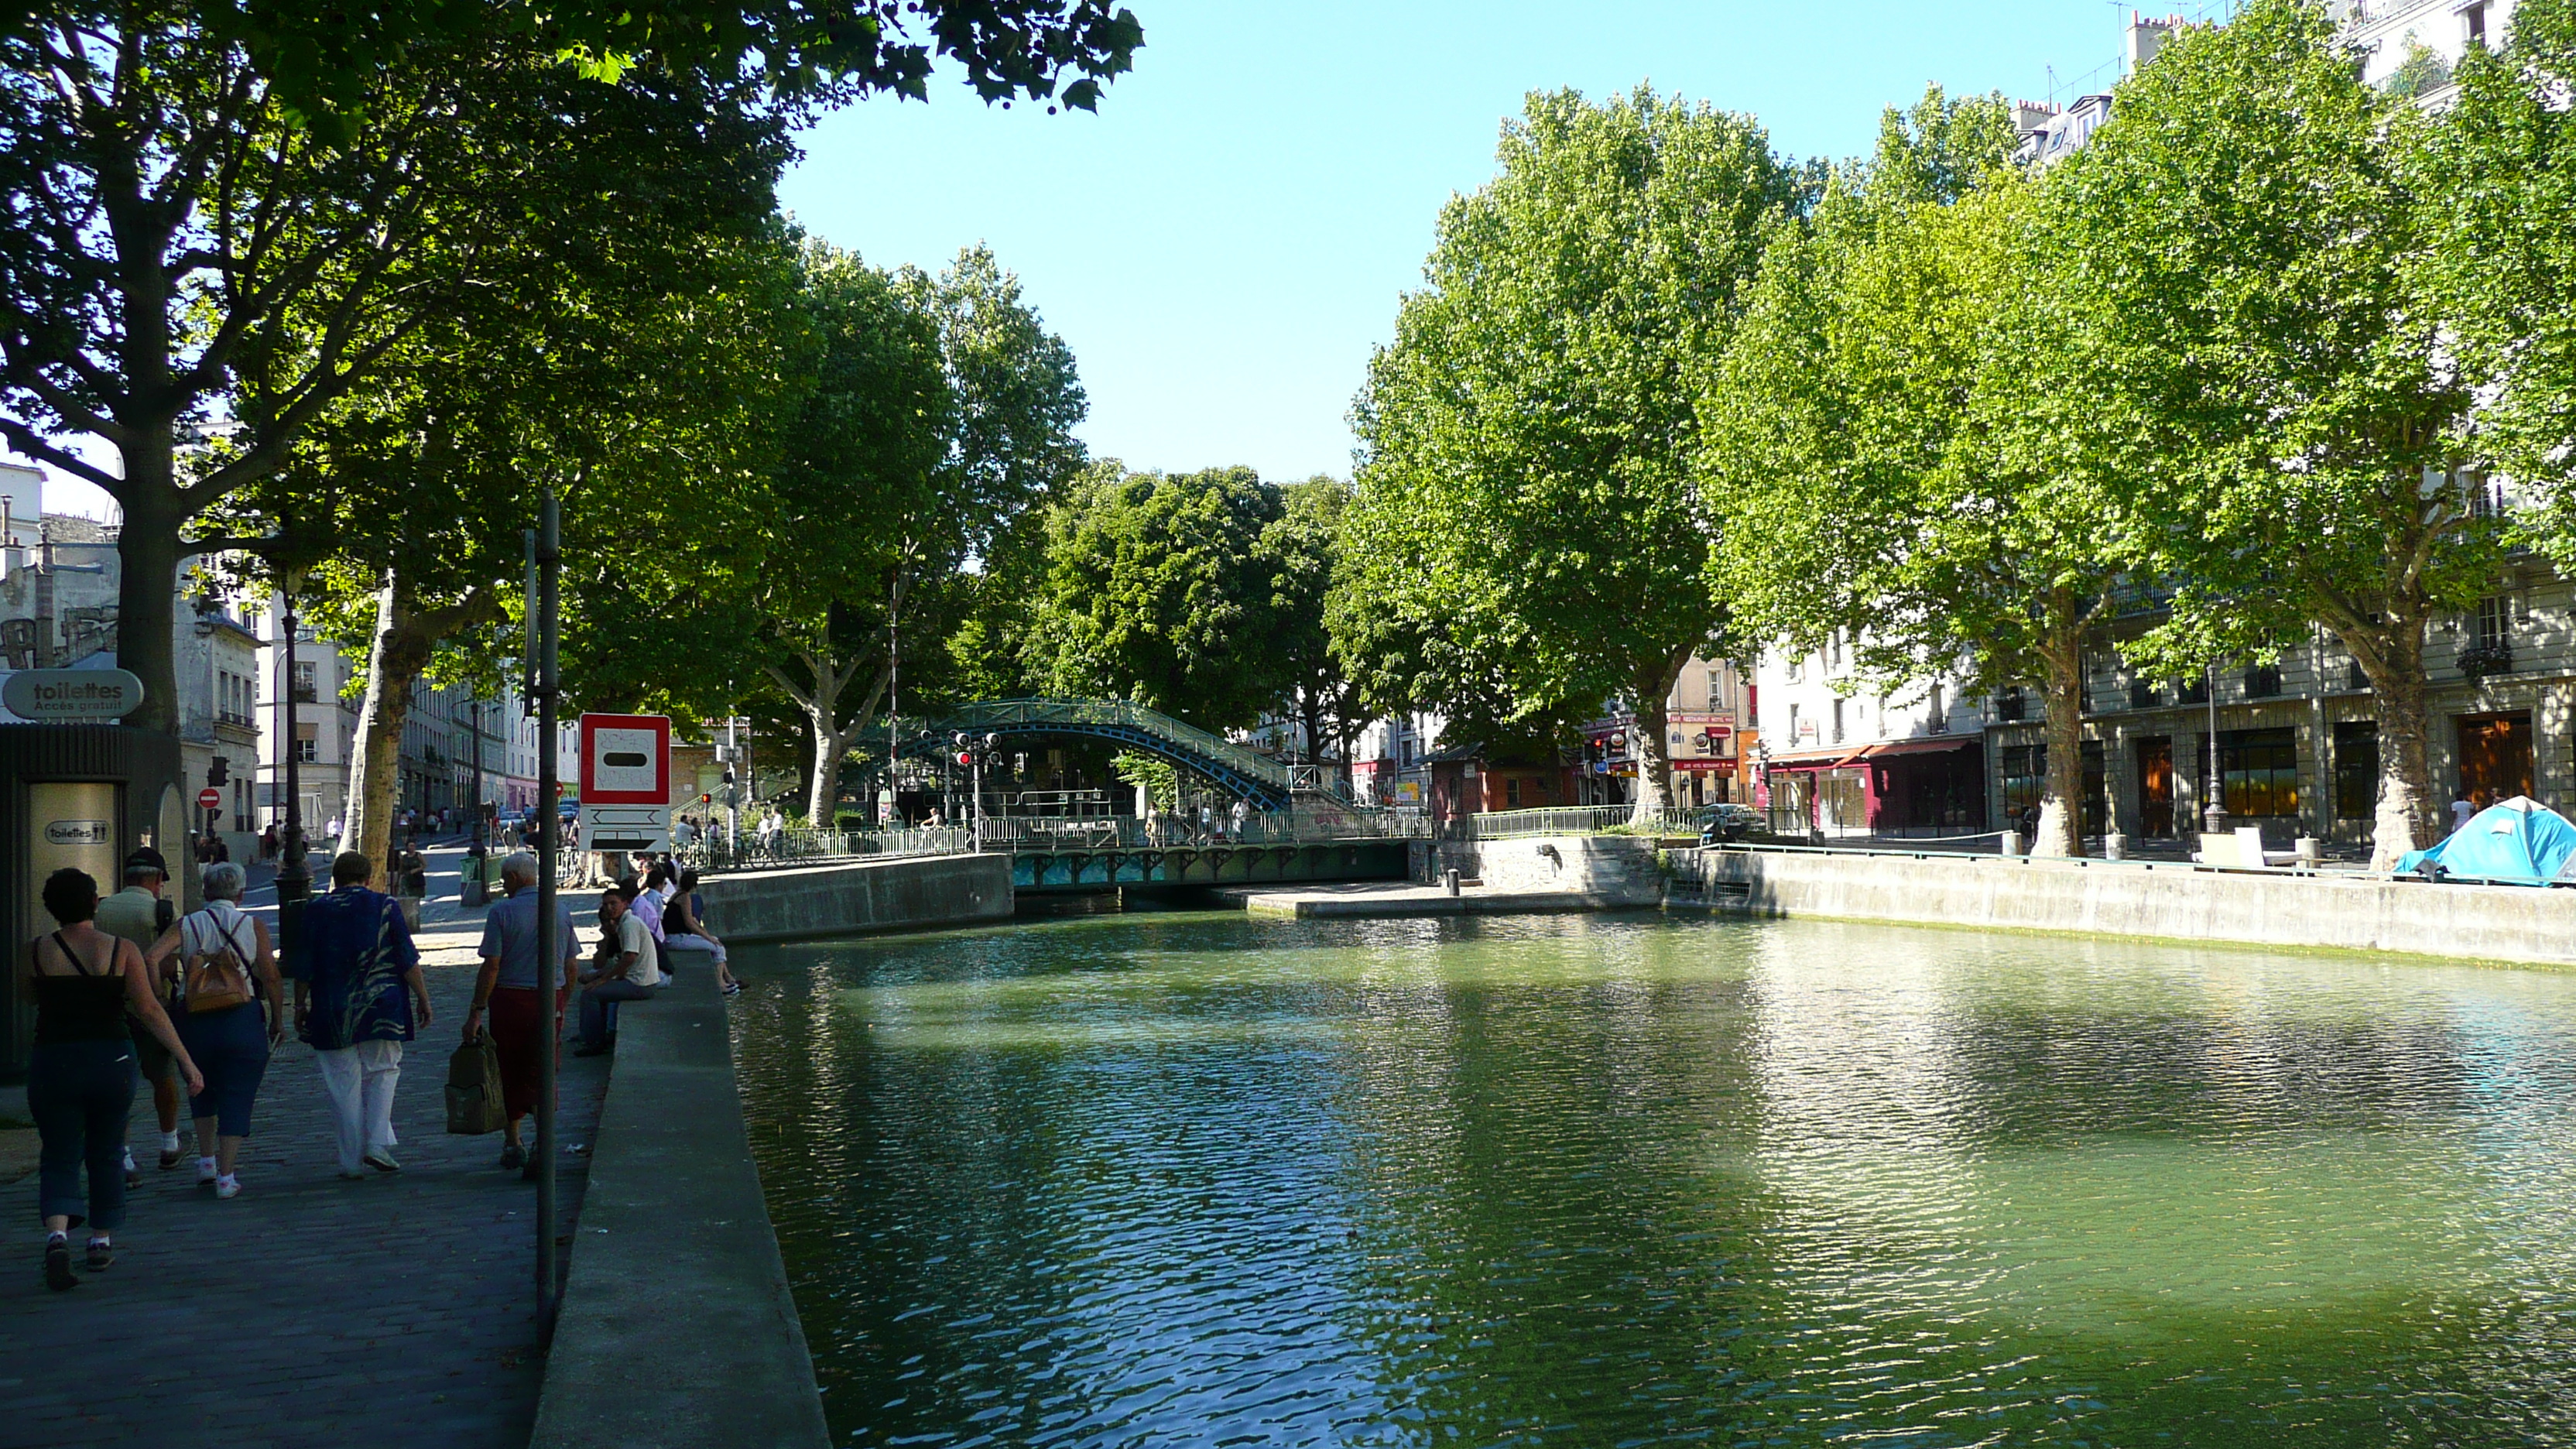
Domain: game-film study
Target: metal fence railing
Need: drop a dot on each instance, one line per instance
(754, 850)
(1578, 820)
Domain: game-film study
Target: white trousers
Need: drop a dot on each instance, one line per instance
(360, 1080)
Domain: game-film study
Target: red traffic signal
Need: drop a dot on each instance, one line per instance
(965, 757)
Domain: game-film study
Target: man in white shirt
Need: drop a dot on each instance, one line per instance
(630, 972)
(2462, 810)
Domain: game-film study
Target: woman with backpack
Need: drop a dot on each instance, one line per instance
(226, 969)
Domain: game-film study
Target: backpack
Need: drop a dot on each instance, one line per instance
(221, 981)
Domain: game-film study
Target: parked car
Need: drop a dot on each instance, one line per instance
(1727, 822)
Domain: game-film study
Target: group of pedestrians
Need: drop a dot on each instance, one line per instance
(124, 988)
(127, 989)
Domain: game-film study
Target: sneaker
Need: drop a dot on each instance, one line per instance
(513, 1156)
(171, 1157)
(381, 1161)
(733, 988)
(58, 1265)
(100, 1254)
(227, 1186)
(205, 1172)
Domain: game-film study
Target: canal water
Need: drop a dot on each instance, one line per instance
(1617, 1180)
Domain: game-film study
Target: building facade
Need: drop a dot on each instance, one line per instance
(1839, 754)
(59, 582)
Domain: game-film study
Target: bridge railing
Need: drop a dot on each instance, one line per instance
(1576, 820)
(754, 851)
(1128, 715)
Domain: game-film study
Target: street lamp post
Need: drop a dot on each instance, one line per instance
(294, 885)
(547, 556)
(2213, 814)
(476, 889)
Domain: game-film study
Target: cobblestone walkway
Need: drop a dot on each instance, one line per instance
(398, 1310)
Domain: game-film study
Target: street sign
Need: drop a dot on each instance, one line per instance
(625, 759)
(612, 828)
(45, 695)
(210, 799)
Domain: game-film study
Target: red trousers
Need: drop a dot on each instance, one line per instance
(517, 1021)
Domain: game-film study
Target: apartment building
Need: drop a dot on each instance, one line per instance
(1836, 752)
(59, 582)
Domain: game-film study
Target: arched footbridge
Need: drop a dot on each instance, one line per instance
(1264, 782)
(1305, 829)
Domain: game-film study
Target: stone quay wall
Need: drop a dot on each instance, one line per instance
(849, 897)
(677, 1328)
(1620, 867)
(2129, 898)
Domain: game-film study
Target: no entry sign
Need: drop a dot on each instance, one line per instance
(626, 781)
(625, 759)
(210, 798)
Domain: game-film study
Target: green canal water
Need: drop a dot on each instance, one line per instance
(1609, 1181)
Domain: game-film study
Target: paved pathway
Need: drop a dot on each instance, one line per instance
(393, 1311)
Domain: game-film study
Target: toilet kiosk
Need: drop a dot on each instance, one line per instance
(76, 789)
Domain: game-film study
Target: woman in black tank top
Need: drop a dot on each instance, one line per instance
(80, 1077)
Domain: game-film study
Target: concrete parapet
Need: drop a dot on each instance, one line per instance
(906, 893)
(2174, 901)
(677, 1329)
(1389, 901)
(1621, 865)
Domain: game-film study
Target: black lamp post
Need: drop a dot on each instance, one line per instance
(294, 885)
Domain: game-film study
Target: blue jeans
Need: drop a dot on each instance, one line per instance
(594, 1006)
(231, 1051)
(80, 1092)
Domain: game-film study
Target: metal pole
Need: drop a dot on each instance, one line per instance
(2213, 809)
(294, 884)
(975, 807)
(894, 708)
(475, 709)
(549, 950)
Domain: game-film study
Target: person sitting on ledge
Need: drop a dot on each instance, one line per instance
(630, 975)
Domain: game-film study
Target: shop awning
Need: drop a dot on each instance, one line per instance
(1854, 754)
(1923, 747)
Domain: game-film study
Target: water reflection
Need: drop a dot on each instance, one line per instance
(1607, 1180)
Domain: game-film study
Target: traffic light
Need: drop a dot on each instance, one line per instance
(220, 772)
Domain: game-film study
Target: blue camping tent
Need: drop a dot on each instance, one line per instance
(2519, 840)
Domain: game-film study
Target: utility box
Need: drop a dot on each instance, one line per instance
(82, 796)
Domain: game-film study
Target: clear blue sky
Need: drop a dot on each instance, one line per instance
(1225, 241)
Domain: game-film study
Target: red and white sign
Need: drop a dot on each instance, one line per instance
(210, 798)
(1705, 767)
(625, 759)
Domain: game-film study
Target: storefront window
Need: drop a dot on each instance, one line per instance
(2356, 766)
(2260, 771)
(2025, 777)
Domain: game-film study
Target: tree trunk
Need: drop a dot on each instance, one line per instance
(2061, 805)
(831, 733)
(1654, 752)
(396, 655)
(2392, 655)
(147, 579)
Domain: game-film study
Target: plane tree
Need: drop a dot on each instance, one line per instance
(1527, 439)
